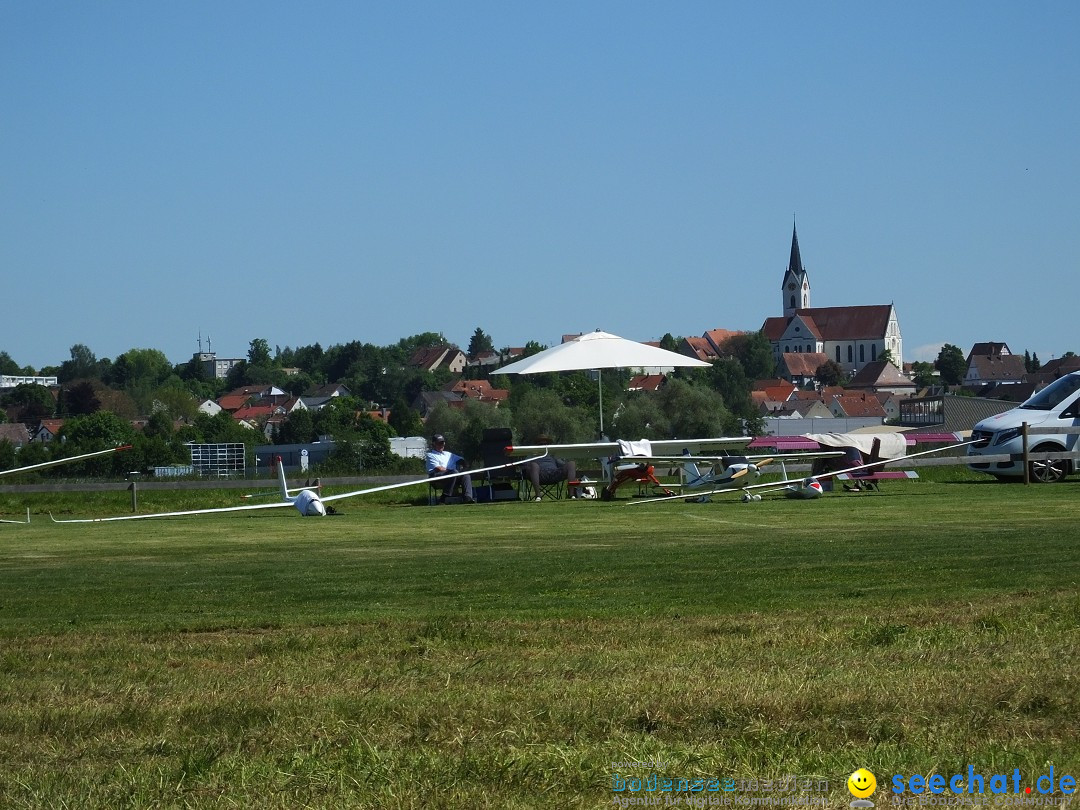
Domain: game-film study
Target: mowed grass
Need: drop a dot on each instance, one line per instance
(510, 655)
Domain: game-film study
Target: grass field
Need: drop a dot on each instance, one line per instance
(527, 655)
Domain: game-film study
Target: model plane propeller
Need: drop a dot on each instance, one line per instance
(56, 462)
(805, 488)
(307, 502)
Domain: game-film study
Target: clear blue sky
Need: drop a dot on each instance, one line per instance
(336, 171)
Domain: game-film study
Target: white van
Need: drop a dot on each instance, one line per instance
(1057, 405)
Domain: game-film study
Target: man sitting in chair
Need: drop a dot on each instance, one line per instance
(550, 470)
(440, 461)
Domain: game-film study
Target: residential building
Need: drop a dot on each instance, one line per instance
(431, 358)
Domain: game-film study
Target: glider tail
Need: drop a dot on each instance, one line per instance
(281, 479)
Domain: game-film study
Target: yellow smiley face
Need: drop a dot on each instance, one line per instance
(861, 783)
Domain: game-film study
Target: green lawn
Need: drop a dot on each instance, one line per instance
(512, 655)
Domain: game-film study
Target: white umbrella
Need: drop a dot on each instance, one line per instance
(599, 350)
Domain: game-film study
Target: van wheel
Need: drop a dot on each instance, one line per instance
(1047, 472)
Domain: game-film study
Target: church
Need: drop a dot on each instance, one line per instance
(852, 336)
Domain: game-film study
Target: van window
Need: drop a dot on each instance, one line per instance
(1054, 394)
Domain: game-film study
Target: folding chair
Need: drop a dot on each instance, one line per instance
(498, 485)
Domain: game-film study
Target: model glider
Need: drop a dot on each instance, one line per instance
(810, 487)
(308, 502)
(54, 463)
(57, 461)
(628, 449)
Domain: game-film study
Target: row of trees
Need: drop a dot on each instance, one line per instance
(564, 407)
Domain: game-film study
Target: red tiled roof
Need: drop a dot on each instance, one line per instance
(646, 382)
(803, 364)
(718, 337)
(478, 389)
(700, 348)
(859, 405)
(836, 323)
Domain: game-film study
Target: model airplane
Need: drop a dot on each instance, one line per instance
(54, 463)
(625, 461)
(810, 487)
(723, 469)
(308, 502)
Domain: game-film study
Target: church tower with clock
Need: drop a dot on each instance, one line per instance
(796, 287)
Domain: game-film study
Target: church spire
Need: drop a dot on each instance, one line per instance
(794, 264)
(796, 287)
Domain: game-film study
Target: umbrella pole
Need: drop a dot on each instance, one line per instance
(600, 383)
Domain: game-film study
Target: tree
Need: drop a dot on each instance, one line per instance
(669, 342)
(923, 373)
(7, 365)
(259, 352)
(33, 402)
(829, 373)
(951, 364)
(479, 343)
(299, 428)
(80, 398)
(754, 351)
(404, 420)
(542, 412)
(83, 364)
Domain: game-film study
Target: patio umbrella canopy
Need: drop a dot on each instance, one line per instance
(599, 350)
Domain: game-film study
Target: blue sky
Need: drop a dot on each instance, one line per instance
(329, 172)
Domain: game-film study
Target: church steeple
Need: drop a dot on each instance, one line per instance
(796, 287)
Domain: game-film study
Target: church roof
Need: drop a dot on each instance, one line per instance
(836, 323)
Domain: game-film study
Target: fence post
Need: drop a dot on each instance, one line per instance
(1027, 466)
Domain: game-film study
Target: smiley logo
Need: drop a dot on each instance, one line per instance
(861, 783)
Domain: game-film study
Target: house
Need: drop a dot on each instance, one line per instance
(851, 405)
(427, 400)
(431, 358)
(718, 337)
(852, 336)
(261, 394)
(479, 390)
(699, 348)
(881, 375)
(993, 362)
(16, 433)
(47, 430)
(209, 407)
(646, 382)
(329, 390)
(801, 368)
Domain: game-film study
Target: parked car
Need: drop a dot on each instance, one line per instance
(1056, 406)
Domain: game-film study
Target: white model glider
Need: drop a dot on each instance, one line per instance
(308, 502)
(56, 463)
(805, 488)
(630, 451)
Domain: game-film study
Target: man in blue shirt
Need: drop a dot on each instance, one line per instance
(440, 461)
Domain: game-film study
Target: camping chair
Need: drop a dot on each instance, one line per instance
(498, 485)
